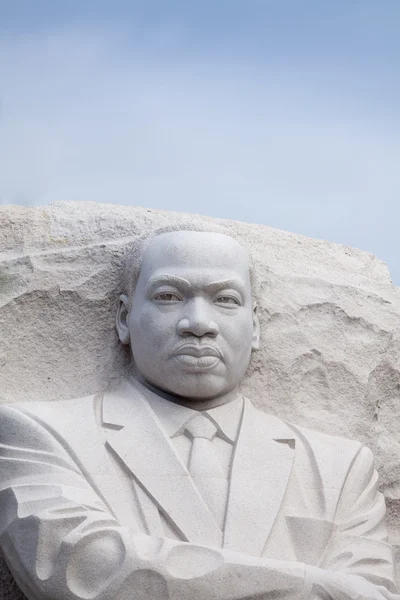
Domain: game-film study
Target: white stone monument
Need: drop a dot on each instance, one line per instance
(183, 471)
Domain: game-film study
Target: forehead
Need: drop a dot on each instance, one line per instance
(190, 250)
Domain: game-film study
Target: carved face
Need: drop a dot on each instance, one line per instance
(191, 325)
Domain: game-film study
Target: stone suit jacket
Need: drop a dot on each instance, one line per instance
(85, 486)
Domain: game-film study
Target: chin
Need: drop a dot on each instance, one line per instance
(199, 387)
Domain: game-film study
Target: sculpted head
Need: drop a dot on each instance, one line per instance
(191, 321)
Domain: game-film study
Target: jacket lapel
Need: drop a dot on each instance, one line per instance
(91, 456)
(262, 464)
(137, 438)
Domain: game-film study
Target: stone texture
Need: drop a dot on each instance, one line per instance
(330, 321)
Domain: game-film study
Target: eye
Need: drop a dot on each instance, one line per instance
(228, 301)
(167, 297)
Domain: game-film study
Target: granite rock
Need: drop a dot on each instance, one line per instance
(330, 321)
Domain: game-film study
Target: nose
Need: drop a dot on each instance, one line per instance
(197, 321)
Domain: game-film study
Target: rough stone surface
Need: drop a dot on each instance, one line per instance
(330, 321)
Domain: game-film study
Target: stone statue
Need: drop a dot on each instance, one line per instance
(174, 485)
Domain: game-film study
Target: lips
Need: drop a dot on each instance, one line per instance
(197, 351)
(197, 358)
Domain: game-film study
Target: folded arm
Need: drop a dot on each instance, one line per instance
(358, 563)
(63, 543)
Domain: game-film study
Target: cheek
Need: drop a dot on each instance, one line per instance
(152, 324)
(238, 330)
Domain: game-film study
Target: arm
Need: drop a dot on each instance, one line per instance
(62, 543)
(358, 562)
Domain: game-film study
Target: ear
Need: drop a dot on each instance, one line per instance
(256, 329)
(122, 319)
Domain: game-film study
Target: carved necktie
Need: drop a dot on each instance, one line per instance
(205, 468)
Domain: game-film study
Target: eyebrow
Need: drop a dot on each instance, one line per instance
(165, 278)
(214, 286)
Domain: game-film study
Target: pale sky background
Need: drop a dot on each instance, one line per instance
(282, 112)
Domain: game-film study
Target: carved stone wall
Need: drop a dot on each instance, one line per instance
(330, 318)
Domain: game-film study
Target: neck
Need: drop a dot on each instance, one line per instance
(199, 404)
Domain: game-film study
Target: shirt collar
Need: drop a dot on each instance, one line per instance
(174, 417)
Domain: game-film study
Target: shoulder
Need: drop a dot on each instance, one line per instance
(304, 435)
(48, 407)
(334, 443)
(330, 453)
(16, 420)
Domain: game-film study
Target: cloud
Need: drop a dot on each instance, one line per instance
(90, 114)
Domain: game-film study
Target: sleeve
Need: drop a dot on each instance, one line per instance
(359, 545)
(57, 536)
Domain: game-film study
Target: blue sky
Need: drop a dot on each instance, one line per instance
(283, 112)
